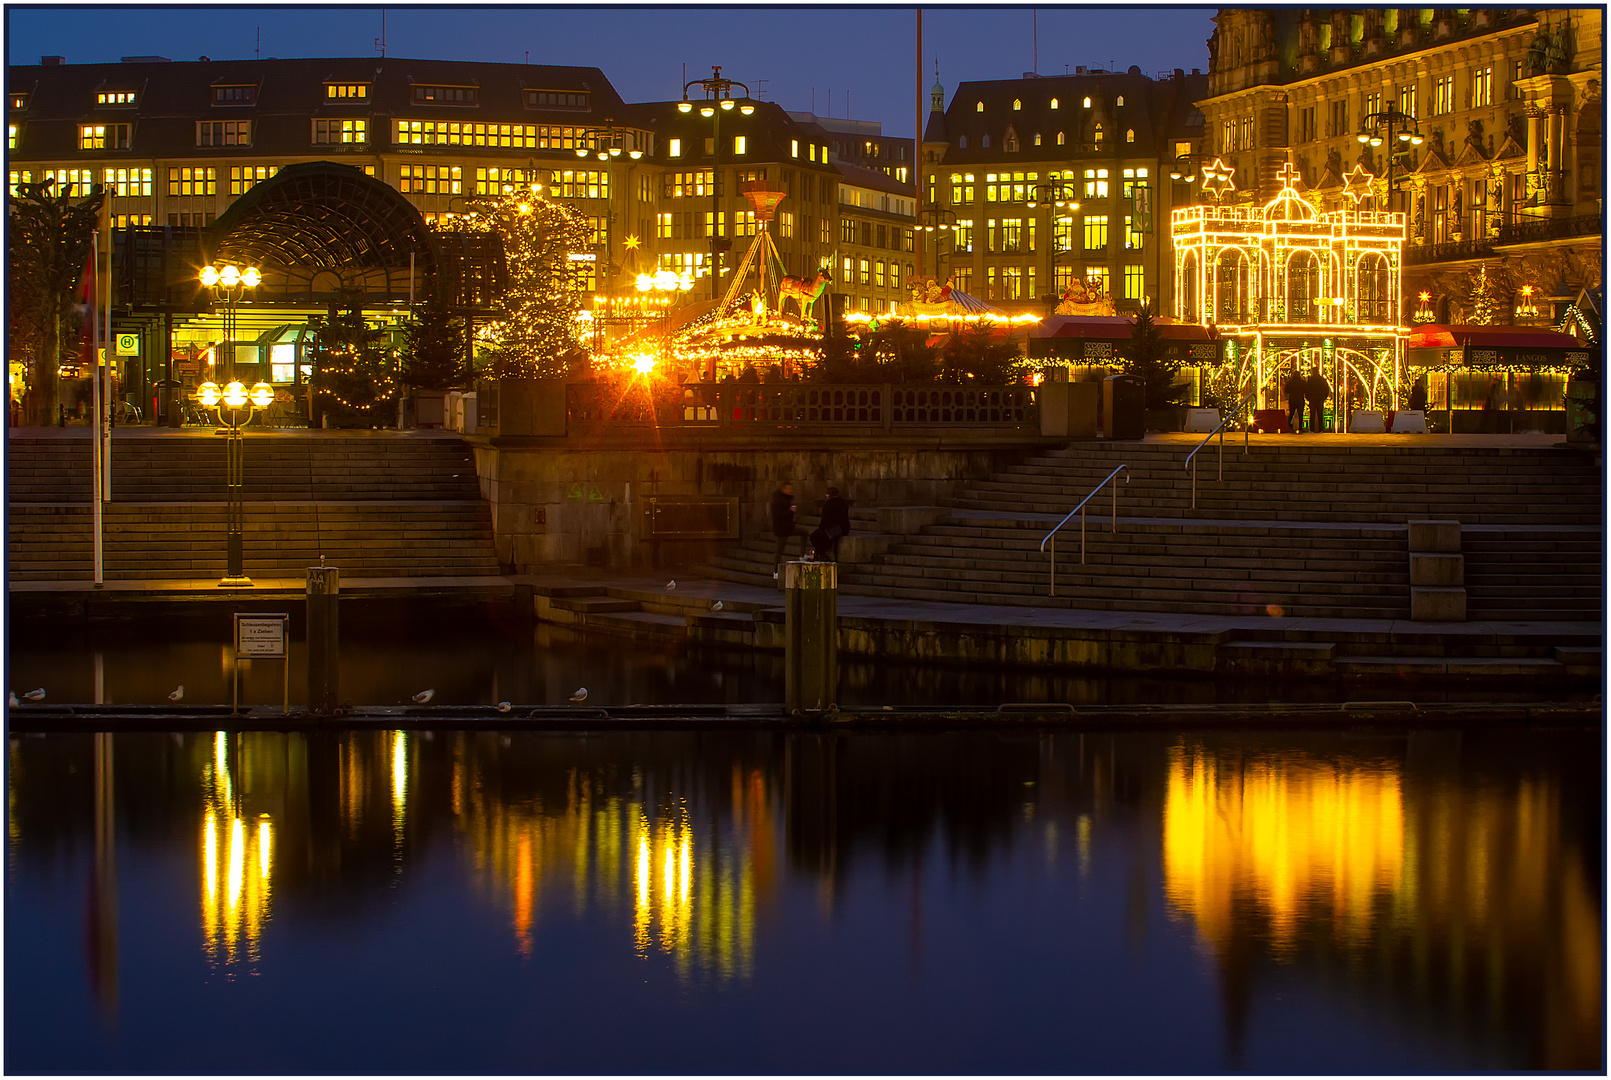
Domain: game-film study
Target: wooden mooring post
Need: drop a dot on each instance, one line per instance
(811, 637)
(324, 639)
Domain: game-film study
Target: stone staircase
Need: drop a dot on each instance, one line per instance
(1302, 532)
(376, 506)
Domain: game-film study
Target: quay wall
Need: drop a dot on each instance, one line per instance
(555, 503)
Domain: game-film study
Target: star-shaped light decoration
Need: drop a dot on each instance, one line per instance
(1217, 180)
(631, 243)
(1356, 183)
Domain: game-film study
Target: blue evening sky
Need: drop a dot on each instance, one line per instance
(795, 56)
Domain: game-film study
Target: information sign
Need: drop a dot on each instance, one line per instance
(128, 344)
(260, 635)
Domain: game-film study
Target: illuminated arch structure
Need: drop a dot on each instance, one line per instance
(1290, 286)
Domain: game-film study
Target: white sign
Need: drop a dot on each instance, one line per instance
(128, 344)
(260, 635)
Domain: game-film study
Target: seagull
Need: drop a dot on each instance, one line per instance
(580, 695)
(672, 584)
(14, 702)
(35, 695)
(424, 697)
(179, 694)
(717, 606)
(504, 706)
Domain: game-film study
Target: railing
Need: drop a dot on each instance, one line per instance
(762, 406)
(1525, 231)
(1449, 252)
(1051, 537)
(1219, 429)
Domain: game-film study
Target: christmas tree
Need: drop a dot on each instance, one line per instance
(1484, 300)
(537, 338)
(1144, 358)
(433, 357)
(355, 378)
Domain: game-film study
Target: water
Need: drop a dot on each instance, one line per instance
(766, 901)
(474, 658)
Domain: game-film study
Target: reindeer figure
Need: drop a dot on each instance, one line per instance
(804, 293)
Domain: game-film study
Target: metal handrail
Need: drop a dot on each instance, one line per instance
(1219, 429)
(1051, 537)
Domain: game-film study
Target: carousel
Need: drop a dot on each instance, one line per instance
(1291, 289)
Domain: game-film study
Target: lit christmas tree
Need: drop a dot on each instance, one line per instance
(537, 338)
(1484, 299)
(356, 378)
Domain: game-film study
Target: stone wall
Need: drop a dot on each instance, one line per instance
(553, 503)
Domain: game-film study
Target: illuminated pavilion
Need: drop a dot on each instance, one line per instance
(1291, 287)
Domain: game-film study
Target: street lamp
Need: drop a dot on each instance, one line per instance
(1399, 130)
(1061, 204)
(235, 405)
(718, 99)
(936, 219)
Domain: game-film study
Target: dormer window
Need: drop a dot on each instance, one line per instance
(1054, 103)
(1119, 102)
(1087, 103)
(445, 95)
(346, 91)
(1017, 104)
(1130, 135)
(234, 95)
(18, 101)
(962, 142)
(103, 136)
(115, 97)
(979, 107)
(557, 99)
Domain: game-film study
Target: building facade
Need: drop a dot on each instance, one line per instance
(1487, 125)
(1007, 160)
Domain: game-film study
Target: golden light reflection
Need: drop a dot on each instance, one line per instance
(237, 866)
(691, 892)
(399, 754)
(1291, 834)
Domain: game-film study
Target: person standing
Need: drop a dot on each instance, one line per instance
(1292, 388)
(835, 525)
(1317, 390)
(783, 509)
(1418, 395)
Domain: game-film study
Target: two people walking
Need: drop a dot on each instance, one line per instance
(1300, 389)
(834, 526)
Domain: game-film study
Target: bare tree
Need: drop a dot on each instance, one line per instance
(51, 237)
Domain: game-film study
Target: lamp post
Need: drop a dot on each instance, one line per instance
(936, 219)
(718, 99)
(607, 147)
(1061, 205)
(1185, 170)
(1399, 130)
(235, 405)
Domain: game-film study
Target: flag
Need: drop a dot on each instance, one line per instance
(86, 300)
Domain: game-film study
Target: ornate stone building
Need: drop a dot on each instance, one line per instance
(1486, 126)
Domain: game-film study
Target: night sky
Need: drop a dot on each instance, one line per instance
(792, 55)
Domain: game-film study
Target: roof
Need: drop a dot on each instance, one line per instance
(1114, 327)
(1440, 336)
(769, 134)
(872, 178)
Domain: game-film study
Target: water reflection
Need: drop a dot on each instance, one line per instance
(1440, 886)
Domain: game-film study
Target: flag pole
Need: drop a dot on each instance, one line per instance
(104, 290)
(96, 465)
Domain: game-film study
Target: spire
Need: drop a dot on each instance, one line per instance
(934, 130)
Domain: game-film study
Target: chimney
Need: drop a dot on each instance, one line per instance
(52, 61)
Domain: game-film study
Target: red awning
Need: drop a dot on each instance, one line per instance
(1438, 336)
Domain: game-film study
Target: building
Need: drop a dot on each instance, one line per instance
(182, 144)
(1008, 157)
(1490, 128)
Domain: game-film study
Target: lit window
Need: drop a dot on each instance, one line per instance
(103, 136)
(1037, 138)
(1135, 282)
(192, 181)
(18, 179)
(1120, 101)
(979, 107)
(1054, 103)
(1087, 103)
(73, 182)
(812, 151)
(129, 183)
(1129, 135)
(674, 148)
(241, 178)
(11, 137)
(1096, 232)
(341, 131)
(464, 133)
(115, 97)
(794, 147)
(739, 145)
(346, 91)
(1017, 105)
(1061, 140)
(430, 180)
(19, 101)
